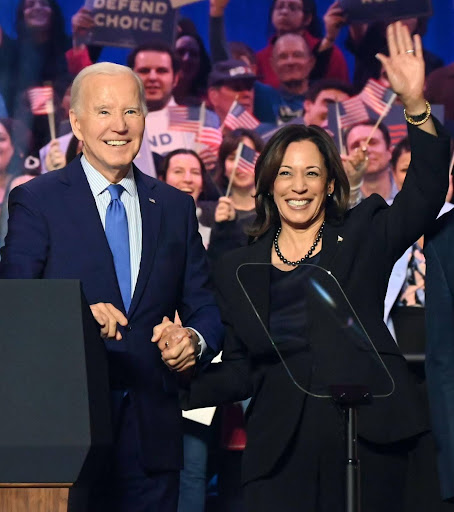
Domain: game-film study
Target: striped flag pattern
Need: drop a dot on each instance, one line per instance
(397, 132)
(39, 98)
(183, 118)
(209, 133)
(239, 117)
(376, 96)
(352, 111)
(247, 160)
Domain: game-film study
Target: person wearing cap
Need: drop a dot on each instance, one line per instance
(231, 80)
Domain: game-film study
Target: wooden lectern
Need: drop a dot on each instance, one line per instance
(55, 428)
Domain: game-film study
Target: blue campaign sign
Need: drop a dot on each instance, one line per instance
(128, 23)
(385, 10)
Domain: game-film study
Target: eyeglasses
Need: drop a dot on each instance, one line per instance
(291, 6)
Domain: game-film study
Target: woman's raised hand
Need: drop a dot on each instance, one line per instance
(405, 67)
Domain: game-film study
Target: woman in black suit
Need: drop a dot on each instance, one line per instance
(294, 458)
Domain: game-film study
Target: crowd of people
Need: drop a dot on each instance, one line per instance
(260, 164)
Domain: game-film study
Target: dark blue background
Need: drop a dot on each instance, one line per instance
(247, 20)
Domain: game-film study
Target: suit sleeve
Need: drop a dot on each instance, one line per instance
(26, 245)
(226, 382)
(197, 307)
(440, 347)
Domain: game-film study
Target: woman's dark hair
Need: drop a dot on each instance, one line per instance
(229, 144)
(314, 27)
(183, 151)
(200, 82)
(57, 34)
(403, 146)
(21, 140)
(268, 165)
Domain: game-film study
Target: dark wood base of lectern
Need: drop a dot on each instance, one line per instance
(29, 498)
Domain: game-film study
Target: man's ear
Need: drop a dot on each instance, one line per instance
(75, 125)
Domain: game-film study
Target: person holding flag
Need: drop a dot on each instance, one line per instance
(235, 210)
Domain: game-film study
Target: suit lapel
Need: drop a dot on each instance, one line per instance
(254, 275)
(151, 211)
(332, 241)
(82, 211)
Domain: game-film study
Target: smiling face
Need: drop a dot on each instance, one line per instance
(379, 155)
(292, 58)
(37, 14)
(110, 122)
(301, 186)
(156, 73)
(184, 173)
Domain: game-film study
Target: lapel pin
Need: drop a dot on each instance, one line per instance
(339, 239)
(151, 200)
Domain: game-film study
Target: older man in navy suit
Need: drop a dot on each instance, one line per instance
(133, 242)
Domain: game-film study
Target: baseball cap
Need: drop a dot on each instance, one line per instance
(229, 71)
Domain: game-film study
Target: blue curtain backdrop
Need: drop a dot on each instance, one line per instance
(247, 20)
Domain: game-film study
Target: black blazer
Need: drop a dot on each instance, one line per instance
(360, 252)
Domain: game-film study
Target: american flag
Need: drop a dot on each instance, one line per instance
(352, 111)
(239, 117)
(209, 132)
(184, 119)
(41, 100)
(376, 96)
(247, 160)
(397, 132)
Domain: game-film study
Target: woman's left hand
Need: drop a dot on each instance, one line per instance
(405, 66)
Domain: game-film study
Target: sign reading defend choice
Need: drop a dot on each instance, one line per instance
(128, 23)
(366, 11)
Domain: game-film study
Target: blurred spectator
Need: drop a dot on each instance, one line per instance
(15, 141)
(194, 67)
(157, 66)
(36, 58)
(378, 177)
(291, 16)
(234, 214)
(185, 170)
(318, 98)
(405, 297)
(366, 40)
(230, 80)
(439, 89)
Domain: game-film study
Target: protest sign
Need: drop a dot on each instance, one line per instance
(367, 11)
(128, 23)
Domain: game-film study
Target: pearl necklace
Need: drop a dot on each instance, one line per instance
(309, 252)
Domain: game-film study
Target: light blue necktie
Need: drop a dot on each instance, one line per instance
(118, 237)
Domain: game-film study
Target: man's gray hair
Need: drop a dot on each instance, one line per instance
(105, 68)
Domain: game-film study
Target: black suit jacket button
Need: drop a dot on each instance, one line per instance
(128, 328)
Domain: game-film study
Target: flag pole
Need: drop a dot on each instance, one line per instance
(339, 130)
(51, 118)
(232, 106)
(235, 165)
(383, 115)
